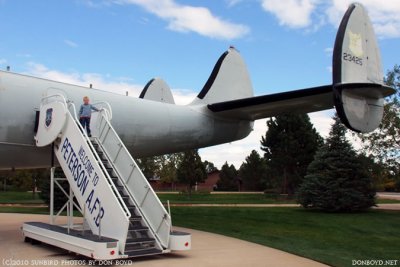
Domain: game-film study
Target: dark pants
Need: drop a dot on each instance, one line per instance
(85, 122)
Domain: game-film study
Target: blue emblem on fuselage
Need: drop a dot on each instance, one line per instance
(49, 115)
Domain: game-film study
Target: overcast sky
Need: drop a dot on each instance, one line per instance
(119, 45)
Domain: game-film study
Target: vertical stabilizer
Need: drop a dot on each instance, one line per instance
(357, 72)
(229, 80)
(157, 90)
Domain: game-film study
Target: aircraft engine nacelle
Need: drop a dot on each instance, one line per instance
(357, 72)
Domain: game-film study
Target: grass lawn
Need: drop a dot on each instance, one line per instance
(334, 239)
(387, 201)
(27, 210)
(10, 197)
(236, 199)
(33, 210)
(224, 199)
(27, 198)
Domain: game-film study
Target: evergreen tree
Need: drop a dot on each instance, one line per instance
(290, 145)
(228, 178)
(336, 180)
(253, 172)
(191, 169)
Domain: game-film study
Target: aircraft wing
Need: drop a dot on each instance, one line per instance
(298, 101)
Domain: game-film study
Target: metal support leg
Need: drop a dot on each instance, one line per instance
(100, 227)
(84, 219)
(71, 208)
(52, 170)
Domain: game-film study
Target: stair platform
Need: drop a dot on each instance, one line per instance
(143, 252)
(81, 242)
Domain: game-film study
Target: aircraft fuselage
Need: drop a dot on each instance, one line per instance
(146, 127)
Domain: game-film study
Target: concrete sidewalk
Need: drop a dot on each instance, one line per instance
(388, 195)
(394, 206)
(207, 250)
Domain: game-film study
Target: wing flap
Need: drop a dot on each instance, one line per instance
(254, 108)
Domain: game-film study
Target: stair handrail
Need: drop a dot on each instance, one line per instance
(68, 105)
(166, 214)
(107, 110)
(110, 182)
(64, 101)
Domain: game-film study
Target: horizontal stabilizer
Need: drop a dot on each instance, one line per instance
(254, 108)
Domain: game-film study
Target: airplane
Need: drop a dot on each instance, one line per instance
(223, 111)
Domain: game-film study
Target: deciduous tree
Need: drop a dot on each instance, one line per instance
(209, 166)
(191, 169)
(384, 142)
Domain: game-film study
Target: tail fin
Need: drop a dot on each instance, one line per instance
(357, 72)
(229, 80)
(157, 90)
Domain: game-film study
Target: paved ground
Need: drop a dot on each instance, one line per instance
(388, 206)
(207, 250)
(395, 206)
(388, 195)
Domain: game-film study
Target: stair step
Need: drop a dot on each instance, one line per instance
(143, 252)
(132, 211)
(126, 201)
(135, 228)
(120, 188)
(131, 208)
(121, 192)
(131, 241)
(135, 218)
(140, 246)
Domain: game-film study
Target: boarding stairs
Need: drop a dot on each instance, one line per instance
(114, 197)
